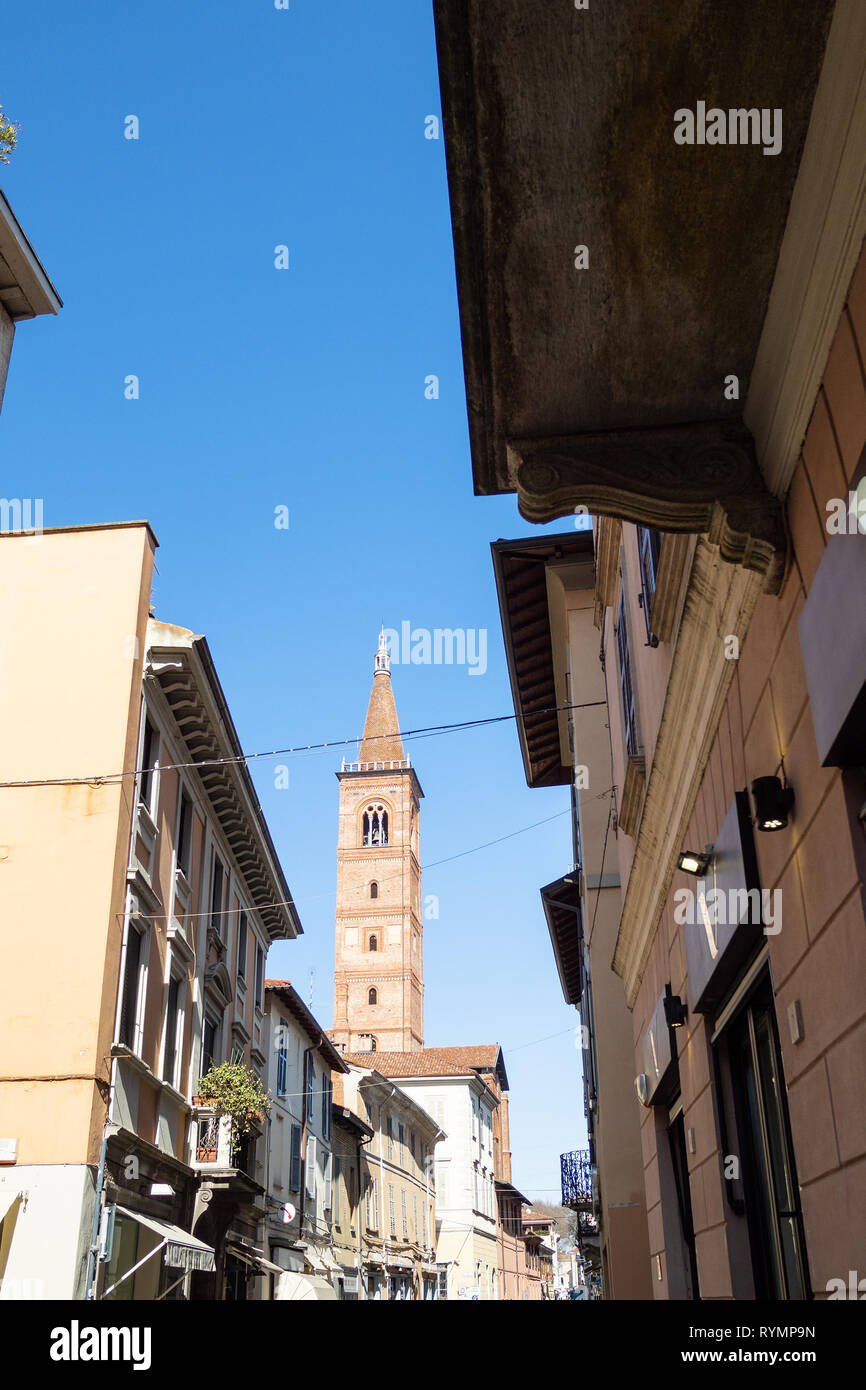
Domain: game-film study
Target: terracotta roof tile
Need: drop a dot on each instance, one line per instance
(429, 1061)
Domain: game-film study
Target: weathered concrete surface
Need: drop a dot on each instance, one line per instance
(559, 128)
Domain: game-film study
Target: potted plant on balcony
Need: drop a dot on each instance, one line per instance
(233, 1089)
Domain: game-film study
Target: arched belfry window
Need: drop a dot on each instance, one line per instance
(374, 943)
(375, 826)
(373, 996)
(374, 890)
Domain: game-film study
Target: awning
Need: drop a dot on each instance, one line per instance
(182, 1250)
(400, 1262)
(294, 1288)
(254, 1258)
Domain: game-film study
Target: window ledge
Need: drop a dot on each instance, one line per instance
(147, 821)
(632, 794)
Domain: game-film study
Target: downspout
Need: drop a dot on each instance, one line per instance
(97, 1214)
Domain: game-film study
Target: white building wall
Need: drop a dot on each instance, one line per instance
(48, 1250)
(466, 1234)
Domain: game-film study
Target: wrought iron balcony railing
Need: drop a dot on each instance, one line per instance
(576, 1171)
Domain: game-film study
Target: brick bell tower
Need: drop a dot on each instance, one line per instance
(378, 976)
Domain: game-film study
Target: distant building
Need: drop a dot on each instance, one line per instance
(379, 974)
(350, 1138)
(379, 999)
(512, 1265)
(398, 1219)
(444, 1081)
(300, 1190)
(540, 1233)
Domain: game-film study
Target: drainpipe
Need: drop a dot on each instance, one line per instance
(97, 1213)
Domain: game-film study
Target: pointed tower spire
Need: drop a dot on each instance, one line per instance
(382, 741)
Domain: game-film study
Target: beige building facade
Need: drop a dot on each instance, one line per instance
(398, 1194)
(128, 802)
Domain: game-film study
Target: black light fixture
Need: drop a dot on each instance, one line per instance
(773, 802)
(676, 1012)
(692, 862)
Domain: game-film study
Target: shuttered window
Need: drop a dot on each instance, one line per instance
(310, 1172)
(295, 1164)
(129, 998)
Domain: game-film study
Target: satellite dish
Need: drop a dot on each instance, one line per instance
(288, 1212)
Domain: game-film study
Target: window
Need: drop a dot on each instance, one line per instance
(129, 997)
(327, 1176)
(242, 946)
(216, 896)
(373, 1206)
(752, 1060)
(173, 1017)
(375, 826)
(184, 834)
(392, 1219)
(372, 996)
(335, 1195)
(295, 1159)
(415, 1216)
(282, 1057)
(389, 1146)
(402, 1138)
(208, 1045)
(310, 1083)
(373, 942)
(310, 1166)
(649, 548)
(374, 890)
(260, 974)
(327, 1096)
(412, 1142)
(149, 755)
(404, 1218)
(625, 683)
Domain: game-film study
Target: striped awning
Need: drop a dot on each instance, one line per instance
(182, 1250)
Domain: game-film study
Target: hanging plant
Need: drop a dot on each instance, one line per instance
(8, 137)
(233, 1089)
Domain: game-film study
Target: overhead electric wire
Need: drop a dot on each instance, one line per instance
(430, 731)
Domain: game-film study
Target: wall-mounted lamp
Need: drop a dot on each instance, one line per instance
(641, 1085)
(773, 802)
(691, 862)
(676, 1012)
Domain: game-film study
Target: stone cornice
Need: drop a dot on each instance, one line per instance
(698, 478)
(719, 602)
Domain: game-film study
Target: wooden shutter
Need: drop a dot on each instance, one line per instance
(295, 1165)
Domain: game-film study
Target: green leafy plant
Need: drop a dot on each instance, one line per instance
(233, 1089)
(8, 137)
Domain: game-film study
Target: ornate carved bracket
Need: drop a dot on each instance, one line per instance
(699, 478)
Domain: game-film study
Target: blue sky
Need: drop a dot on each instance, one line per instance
(302, 388)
